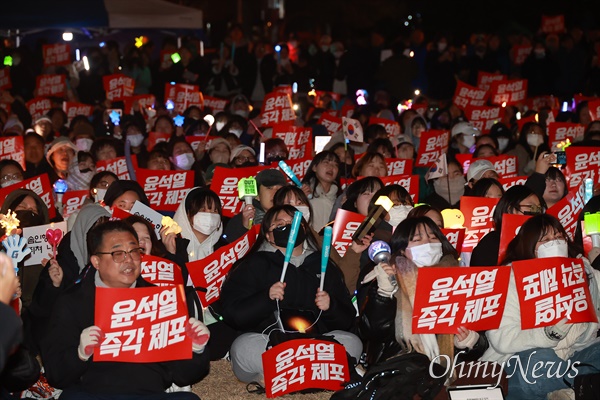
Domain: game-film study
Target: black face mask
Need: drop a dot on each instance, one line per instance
(275, 159)
(248, 164)
(282, 234)
(28, 218)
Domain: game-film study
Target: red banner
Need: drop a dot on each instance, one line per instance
(484, 79)
(72, 201)
(40, 185)
(277, 109)
(448, 298)
(467, 95)
(520, 52)
(160, 271)
(210, 272)
(304, 364)
(505, 165)
(38, 107)
(399, 166)
(118, 166)
(73, 109)
(433, 144)
(391, 127)
(478, 213)
(157, 137)
(511, 223)
(483, 118)
(552, 290)
(553, 24)
(561, 131)
(118, 86)
(408, 182)
(346, 223)
(298, 140)
(284, 89)
(56, 54)
(456, 237)
(583, 163)
(145, 101)
(567, 210)
(142, 325)
(332, 124)
(51, 86)
(465, 161)
(594, 108)
(183, 96)
(199, 141)
(12, 148)
(216, 104)
(508, 91)
(225, 185)
(5, 82)
(299, 167)
(538, 103)
(507, 183)
(165, 189)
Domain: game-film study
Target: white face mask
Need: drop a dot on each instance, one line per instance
(219, 125)
(206, 223)
(236, 132)
(100, 193)
(241, 113)
(84, 144)
(534, 139)
(502, 143)
(135, 140)
(553, 248)
(305, 212)
(398, 214)
(468, 141)
(427, 254)
(184, 161)
(8, 183)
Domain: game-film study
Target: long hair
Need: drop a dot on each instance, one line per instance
(365, 160)
(509, 203)
(283, 194)
(368, 184)
(158, 248)
(481, 187)
(407, 229)
(311, 176)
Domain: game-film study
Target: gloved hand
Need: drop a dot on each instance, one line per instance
(90, 338)
(199, 333)
(386, 282)
(558, 331)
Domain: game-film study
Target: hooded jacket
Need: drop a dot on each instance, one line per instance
(16, 196)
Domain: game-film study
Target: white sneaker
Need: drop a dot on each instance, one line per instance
(561, 394)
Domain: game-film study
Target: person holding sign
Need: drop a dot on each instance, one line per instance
(553, 347)
(68, 348)
(253, 296)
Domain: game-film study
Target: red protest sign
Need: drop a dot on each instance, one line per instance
(507, 183)
(277, 109)
(5, 82)
(332, 124)
(12, 148)
(455, 237)
(118, 86)
(144, 101)
(284, 89)
(142, 325)
(73, 109)
(210, 272)
(467, 95)
(559, 132)
(539, 103)
(51, 86)
(511, 223)
(451, 297)
(583, 163)
(165, 189)
(484, 79)
(299, 167)
(346, 111)
(346, 223)
(433, 144)
(551, 290)
(304, 364)
(160, 271)
(216, 104)
(200, 142)
(38, 106)
(72, 201)
(56, 54)
(40, 185)
(225, 185)
(157, 137)
(520, 52)
(568, 209)
(118, 166)
(483, 118)
(399, 166)
(594, 108)
(505, 165)
(298, 140)
(478, 213)
(508, 91)
(321, 98)
(183, 95)
(408, 182)
(465, 161)
(553, 24)
(391, 127)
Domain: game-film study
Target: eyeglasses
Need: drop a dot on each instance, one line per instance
(11, 177)
(119, 256)
(242, 159)
(534, 209)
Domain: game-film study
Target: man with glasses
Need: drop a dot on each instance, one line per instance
(68, 347)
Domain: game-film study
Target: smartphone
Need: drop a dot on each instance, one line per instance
(560, 157)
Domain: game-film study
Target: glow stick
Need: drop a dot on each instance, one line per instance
(291, 242)
(325, 253)
(288, 171)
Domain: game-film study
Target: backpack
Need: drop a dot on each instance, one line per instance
(400, 377)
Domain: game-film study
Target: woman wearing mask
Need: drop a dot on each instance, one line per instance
(136, 136)
(252, 295)
(532, 143)
(403, 203)
(516, 200)
(243, 156)
(11, 172)
(181, 154)
(503, 136)
(275, 151)
(322, 185)
(448, 189)
(463, 139)
(540, 237)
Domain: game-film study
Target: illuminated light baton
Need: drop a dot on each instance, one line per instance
(261, 155)
(325, 254)
(291, 243)
(248, 190)
(256, 127)
(592, 227)
(288, 171)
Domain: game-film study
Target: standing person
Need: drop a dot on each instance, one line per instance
(257, 79)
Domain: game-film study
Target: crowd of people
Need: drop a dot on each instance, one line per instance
(57, 298)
